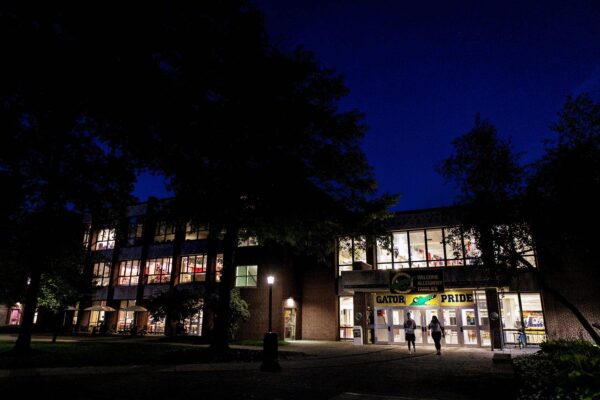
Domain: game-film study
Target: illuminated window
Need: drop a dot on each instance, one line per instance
(164, 232)
(97, 317)
(129, 273)
(454, 246)
(471, 250)
(526, 252)
(513, 317)
(101, 274)
(435, 248)
(195, 232)
(346, 317)
(193, 268)
(193, 325)
(103, 239)
(158, 270)
(246, 275)
(219, 268)
(125, 318)
(250, 241)
(87, 231)
(417, 248)
(350, 250)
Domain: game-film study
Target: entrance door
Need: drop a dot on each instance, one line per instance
(397, 327)
(389, 325)
(451, 327)
(289, 324)
(419, 317)
(422, 317)
(382, 328)
(469, 327)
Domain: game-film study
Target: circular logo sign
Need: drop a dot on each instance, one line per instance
(401, 283)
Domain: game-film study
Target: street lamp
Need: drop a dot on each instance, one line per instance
(270, 362)
(270, 281)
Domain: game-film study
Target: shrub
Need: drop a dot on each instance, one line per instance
(563, 369)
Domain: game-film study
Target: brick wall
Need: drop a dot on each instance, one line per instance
(319, 304)
(285, 287)
(579, 284)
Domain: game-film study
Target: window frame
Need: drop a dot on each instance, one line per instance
(164, 231)
(123, 264)
(192, 274)
(163, 276)
(104, 237)
(101, 280)
(246, 276)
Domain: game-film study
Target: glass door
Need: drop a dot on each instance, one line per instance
(468, 327)
(289, 324)
(397, 327)
(428, 315)
(382, 329)
(421, 330)
(450, 322)
(389, 325)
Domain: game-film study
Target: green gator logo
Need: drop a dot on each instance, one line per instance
(401, 283)
(422, 300)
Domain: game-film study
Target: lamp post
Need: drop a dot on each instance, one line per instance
(270, 281)
(270, 362)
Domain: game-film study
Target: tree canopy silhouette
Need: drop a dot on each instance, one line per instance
(498, 209)
(249, 136)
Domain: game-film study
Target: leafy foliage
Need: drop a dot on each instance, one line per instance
(179, 304)
(239, 312)
(568, 178)
(563, 369)
(504, 215)
(490, 181)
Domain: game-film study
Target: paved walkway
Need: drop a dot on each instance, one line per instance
(331, 370)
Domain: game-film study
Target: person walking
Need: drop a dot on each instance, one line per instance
(409, 332)
(437, 331)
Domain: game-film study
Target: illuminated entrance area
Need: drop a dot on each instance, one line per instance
(463, 314)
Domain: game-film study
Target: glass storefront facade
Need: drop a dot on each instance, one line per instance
(522, 310)
(463, 314)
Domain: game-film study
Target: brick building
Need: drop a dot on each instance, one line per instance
(360, 287)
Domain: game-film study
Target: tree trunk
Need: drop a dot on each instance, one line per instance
(58, 324)
(208, 318)
(220, 340)
(23, 344)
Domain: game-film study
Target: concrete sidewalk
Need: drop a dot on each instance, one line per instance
(330, 370)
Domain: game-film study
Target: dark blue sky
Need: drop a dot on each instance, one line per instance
(420, 71)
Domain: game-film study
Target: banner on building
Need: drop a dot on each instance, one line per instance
(451, 298)
(417, 282)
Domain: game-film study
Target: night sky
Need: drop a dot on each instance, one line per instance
(421, 71)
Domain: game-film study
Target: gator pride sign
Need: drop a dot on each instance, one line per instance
(453, 298)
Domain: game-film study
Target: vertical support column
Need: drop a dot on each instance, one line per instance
(111, 318)
(146, 242)
(360, 313)
(491, 295)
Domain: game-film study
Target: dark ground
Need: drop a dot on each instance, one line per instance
(329, 370)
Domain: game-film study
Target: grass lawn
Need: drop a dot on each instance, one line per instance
(93, 353)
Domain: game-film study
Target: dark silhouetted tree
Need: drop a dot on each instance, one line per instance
(51, 155)
(494, 208)
(262, 148)
(563, 199)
